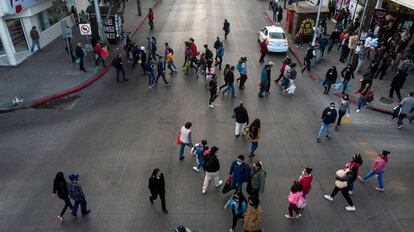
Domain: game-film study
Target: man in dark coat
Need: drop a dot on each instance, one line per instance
(156, 185)
(79, 56)
(239, 172)
(397, 83)
(242, 118)
(328, 118)
(76, 193)
(117, 63)
(226, 28)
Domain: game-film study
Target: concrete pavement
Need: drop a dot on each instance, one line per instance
(115, 134)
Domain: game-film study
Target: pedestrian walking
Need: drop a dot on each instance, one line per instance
(79, 56)
(227, 68)
(194, 54)
(322, 44)
(34, 35)
(368, 76)
(365, 96)
(150, 17)
(239, 172)
(256, 180)
(344, 48)
(143, 58)
(346, 74)
(268, 77)
(353, 166)
(198, 150)
(100, 53)
(242, 119)
(330, 79)
(288, 84)
(226, 28)
(295, 198)
(170, 61)
(238, 205)
(299, 38)
(254, 136)
(252, 221)
(76, 193)
(219, 56)
(156, 185)
(213, 88)
(306, 181)
(343, 179)
(333, 39)
(382, 70)
(344, 108)
(407, 106)
(211, 166)
(229, 79)
(377, 169)
(60, 188)
(161, 71)
(209, 56)
(242, 69)
(308, 58)
(263, 50)
(274, 12)
(285, 62)
(279, 14)
(328, 118)
(185, 138)
(150, 73)
(263, 80)
(362, 55)
(119, 66)
(217, 44)
(396, 84)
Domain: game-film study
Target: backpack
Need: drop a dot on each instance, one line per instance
(170, 50)
(195, 148)
(220, 51)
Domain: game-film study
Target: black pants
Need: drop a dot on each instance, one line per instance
(397, 91)
(280, 77)
(81, 67)
(400, 119)
(225, 85)
(341, 114)
(219, 60)
(118, 71)
(364, 83)
(262, 56)
(236, 217)
(327, 85)
(226, 33)
(144, 68)
(68, 204)
(307, 65)
(381, 73)
(344, 192)
(162, 197)
(193, 61)
(213, 96)
(100, 58)
(243, 79)
(268, 85)
(161, 74)
(345, 83)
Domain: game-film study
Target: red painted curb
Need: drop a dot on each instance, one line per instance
(316, 77)
(91, 80)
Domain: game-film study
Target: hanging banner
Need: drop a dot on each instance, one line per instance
(11, 7)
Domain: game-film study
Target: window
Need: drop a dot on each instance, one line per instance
(51, 16)
(2, 52)
(277, 35)
(17, 34)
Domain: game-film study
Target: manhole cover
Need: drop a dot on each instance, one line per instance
(386, 100)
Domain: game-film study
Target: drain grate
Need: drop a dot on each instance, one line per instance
(386, 100)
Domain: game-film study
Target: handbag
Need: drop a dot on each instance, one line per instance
(227, 186)
(178, 140)
(245, 130)
(301, 202)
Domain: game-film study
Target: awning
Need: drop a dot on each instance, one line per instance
(406, 3)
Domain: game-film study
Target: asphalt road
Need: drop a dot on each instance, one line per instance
(114, 135)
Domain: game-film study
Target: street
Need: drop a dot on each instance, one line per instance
(114, 135)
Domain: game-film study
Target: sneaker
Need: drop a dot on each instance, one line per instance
(328, 137)
(165, 211)
(168, 85)
(150, 87)
(328, 197)
(361, 179)
(318, 140)
(400, 127)
(86, 213)
(288, 216)
(379, 189)
(350, 192)
(219, 183)
(231, 230)
(358, 110)
(204, 191)
(60, 217)
(211, 106)
(350, 208)
(196, 169)
(299, 215)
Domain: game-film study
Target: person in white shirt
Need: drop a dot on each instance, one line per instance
(185, 138)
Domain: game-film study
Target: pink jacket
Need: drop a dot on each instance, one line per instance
(379, 164)
(294, 197)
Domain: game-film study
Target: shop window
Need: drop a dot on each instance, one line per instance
(52, 15)
(17, 34)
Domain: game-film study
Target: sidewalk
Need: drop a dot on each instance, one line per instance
(49, 74)
(381, 101)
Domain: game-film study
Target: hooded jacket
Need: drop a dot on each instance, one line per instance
(239, 173)
(253, 218)
(241, 115)
(156, 185)
(211, 163)
(257, 179)
(329, 115)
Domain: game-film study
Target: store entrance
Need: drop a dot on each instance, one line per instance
(17, 35)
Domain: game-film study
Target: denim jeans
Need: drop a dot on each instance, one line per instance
(82, 204)
(230, 87)
(362, 102)
(323, 127)
(35, 43)
(200, 161)
(254, 146)
(151, 78)
(371, 173)
(262, 90)
(170, 65)
(182, 146)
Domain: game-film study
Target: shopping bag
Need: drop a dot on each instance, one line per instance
(227, 186)
(178, 140)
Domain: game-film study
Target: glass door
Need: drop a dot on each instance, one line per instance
(17, 34)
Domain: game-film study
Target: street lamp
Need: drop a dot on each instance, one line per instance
(316, 31)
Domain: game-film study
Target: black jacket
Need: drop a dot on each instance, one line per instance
(211, 163)
(241, 115)
(226, 26)
(329, 116)
(347, 74)
(217, 44)
(331, 75)
(156, 185)
(229, 77)
(208, 54)
(60, 188)
(399, 80)
(79, 52)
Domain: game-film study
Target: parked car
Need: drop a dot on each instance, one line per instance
(276, 37)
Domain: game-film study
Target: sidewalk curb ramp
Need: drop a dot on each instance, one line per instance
(81, 86)
(316, 77)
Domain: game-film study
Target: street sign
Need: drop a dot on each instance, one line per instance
(85, 29)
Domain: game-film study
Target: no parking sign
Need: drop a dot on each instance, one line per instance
(85, 29)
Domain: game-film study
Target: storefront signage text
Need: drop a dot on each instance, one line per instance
(307, 25)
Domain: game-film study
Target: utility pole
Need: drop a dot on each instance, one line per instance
(101, 31)
(316, 31)
(359, 31)
(139, 7)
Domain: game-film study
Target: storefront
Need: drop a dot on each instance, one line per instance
(18, 17)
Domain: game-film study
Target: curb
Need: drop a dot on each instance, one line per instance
(316, 77)
(81, 86)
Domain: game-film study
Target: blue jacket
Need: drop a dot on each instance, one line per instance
(231, 203)
(323, 43)
(79, 52)
(242, 68)
(160, 66)
(263, 77)
(220, 51)
(75, 191)
(239, 173)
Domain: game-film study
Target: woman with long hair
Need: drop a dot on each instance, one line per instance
(60, 188)
(254, 136)
(238, 205)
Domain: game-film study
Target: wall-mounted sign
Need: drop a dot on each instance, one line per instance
(307, 24)
(17, 6)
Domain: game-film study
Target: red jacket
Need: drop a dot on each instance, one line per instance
(151, 15)
(282, 69)
(193, 48)
(263, 47)
(306, 183)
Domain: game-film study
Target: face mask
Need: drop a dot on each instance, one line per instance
(332, 107)
(303, 172)
(239, 163)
